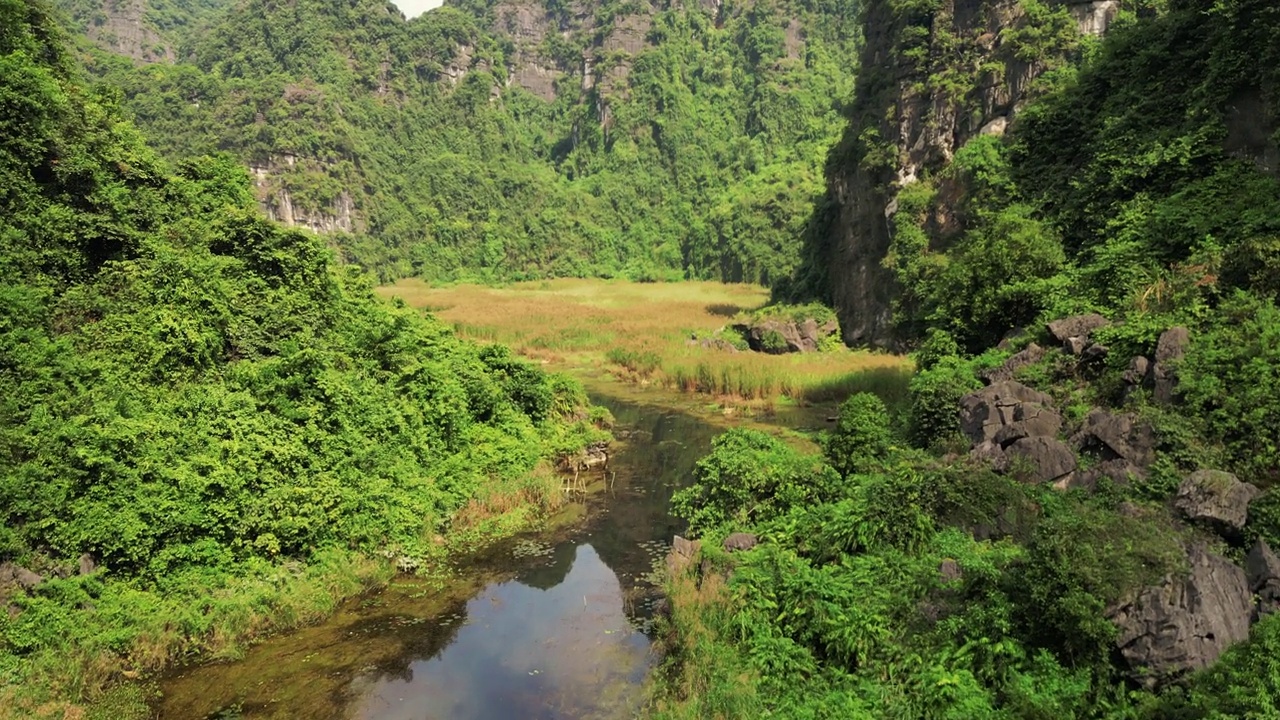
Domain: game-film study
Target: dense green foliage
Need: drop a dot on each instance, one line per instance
(696, 154)
(197, 398)
(1141, 182)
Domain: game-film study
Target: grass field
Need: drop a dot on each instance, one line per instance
(641, 332)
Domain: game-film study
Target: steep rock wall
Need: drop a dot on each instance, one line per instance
(930, 81)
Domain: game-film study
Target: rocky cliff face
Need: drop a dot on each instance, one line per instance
(271, 183)
(121, 26)
(930, 81)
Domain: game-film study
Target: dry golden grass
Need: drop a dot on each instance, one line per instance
(642, 331)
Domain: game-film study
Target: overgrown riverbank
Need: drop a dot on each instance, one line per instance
(210, 430)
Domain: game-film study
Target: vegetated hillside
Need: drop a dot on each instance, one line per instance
(208, 426)
(512, 140)
(145, 30)
(1077, 514)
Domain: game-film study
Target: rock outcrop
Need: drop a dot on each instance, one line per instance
(1215, 499)
(1029, 355)
(740, 541)
(905, 127)
(1171, 347)
(1014, 427)
(1122, 436)
(1185, 623)
(777, 336)
(1262, 568)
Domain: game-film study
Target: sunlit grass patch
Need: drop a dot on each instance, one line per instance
(644, 333)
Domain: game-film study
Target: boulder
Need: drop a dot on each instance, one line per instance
(778, 336)
(1029, 420)
(1262, 569)
(1139, 368)
(681, 555)
(1049, 459)
(1029, 355)
(1075, 345)
(1185, 623)
(1215, 499)
(1076, 326)
(740, 541)
(985, 412)
(1095, 352)
(1117, 436)
(949, 571)
(11, 574)
(1171, 347)
(87, 565)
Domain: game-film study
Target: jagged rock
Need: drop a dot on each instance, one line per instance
(713, 343)
(1171, 347)
(1075, 345)
(1119, 471)
(87, 565)
(740, 541)
(1029, 420)
(1186, 622)
(11, 574)
(1216, 499)
(1048, 458)
(1139, 368)
(1095, 352)
(1117, 436)
(1029, 355)
(1262, 568)
(1076, 326)
(985, 412)
(682, 554)
(776, 336)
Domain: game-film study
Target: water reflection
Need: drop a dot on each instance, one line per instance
(546, 629)
(564, 651)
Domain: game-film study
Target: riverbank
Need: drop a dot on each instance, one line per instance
(644, 333)
(99, 659)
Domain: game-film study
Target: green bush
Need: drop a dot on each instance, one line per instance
(862, 437)
(935, 401)
(748, 477)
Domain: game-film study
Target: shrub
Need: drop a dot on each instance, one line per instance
(862, 436)
(935, 400)
(750, 476)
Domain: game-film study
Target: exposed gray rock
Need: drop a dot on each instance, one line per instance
(1029, 355)
(12, 574)
(1171, 347)
(949, 571)
(984, 412)
(1048, 458)
(740, 541)
(1095, 352)
(1029, 420)
(1262, 568)
(1186, 622)
(1119, 471)
(777, 336)
(1076, 326)
(1215, 499)
(1075, 345)
(87, 565)
(1113, 436)
(1139, 368)
(682, 554)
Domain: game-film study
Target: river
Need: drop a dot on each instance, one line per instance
(552, 625)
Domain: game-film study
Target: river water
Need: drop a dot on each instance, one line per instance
(549, 626)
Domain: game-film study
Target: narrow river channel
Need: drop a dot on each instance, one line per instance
(549, 626)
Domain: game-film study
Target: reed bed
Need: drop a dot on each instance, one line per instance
(642, 332)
